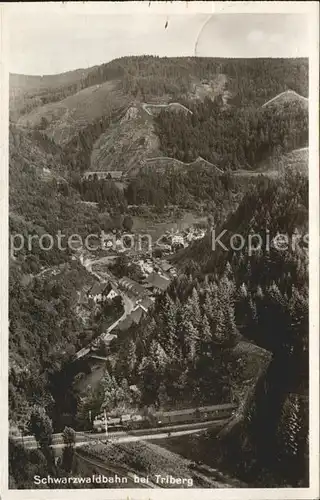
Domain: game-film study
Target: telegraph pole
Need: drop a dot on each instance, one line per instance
(105, 423)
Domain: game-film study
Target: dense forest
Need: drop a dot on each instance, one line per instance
(192, 188)
(44, 334)
(249, 81)
(252, 81)
(233, 137)
(182, 187)
(241, 134)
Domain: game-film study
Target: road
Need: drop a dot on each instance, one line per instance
(145, 107)
(83, 438)
(160, 158)
(286, 92)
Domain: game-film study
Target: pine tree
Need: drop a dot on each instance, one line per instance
(192, 341)
(226, 291)
(124, 385)
(149, 377)
(206, 337)
(208, 307)
(206, 284)
(194, 308)
(158, 356)
(131, 357)
(149, 330)
(228, 272)
(163, 396)
(110, 389)
(40, 426)
(253, 315)
(259, 293)
(206, 332)
(243, 292)
(231, 328)
(220, 328)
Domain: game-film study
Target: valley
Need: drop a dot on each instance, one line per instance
(145, 157)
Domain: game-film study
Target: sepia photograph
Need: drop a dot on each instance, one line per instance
(162, 328)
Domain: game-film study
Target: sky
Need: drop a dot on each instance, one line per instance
(51, 40)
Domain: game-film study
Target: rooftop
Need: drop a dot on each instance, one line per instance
(114, 174)
(146, 303)
(157, 281)
(166, 265)
(133, 286)
(97, 288)
(134, 317)
(103, 288)
(109, 337)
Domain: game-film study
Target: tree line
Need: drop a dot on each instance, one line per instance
(232, 137)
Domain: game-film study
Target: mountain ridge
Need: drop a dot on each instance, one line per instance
(86, 109)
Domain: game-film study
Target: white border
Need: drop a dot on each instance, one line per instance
(311, 8)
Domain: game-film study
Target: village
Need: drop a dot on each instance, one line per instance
(128, 281)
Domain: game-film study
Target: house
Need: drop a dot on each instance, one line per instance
(157, 283)
(111, 292)
(83, 299)
(145, 303)
(96, 292)
(108, 338)
(100, 292)
(134, 317)
(132, 286)
(177, 242)
(113, 174)
(146, 267)
(166, 266)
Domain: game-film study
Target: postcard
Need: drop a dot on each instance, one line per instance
(160, 252)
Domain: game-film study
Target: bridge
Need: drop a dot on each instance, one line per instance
(116, 175)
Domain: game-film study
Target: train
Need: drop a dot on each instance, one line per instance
(163, 418)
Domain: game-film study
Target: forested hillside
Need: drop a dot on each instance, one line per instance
(186, 350)
(233, 138)
(253, 81)
(78, 117)
(233, 324)
(45, 331)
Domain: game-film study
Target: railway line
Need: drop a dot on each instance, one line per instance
(120, 437)
(174, 423)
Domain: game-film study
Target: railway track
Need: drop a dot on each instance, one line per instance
(83, 438)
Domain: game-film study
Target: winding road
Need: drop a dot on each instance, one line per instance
(105, 277)
(146, 107)
(194, 162)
